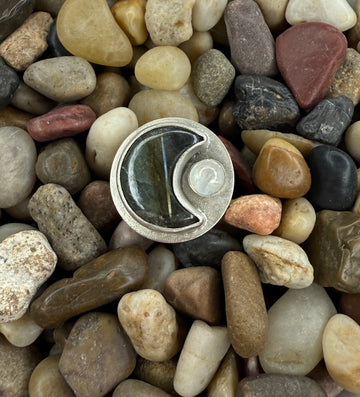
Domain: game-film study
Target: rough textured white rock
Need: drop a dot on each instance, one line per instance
(280, 261)
(200, 357)
(341, 346)
(26, 262)
(296, 324)
(105, 136)
(207, 13)
(150, 323)
(337, 13)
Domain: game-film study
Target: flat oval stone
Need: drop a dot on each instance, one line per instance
(251, 43)
(264, 103)
(97, 345)
(9, 82)
(75, 78)
(72, 236)
(328, 121)
(349, 305)
(245, 306)
(308, 56)
(206, 14)
(296, 324)
(281, 171)
(55, 47)
(138, 388)
(17, 162)
(280, 261)
(26, 262)
(102, 41)
(99, 282)
(334, 179)
(341, 345)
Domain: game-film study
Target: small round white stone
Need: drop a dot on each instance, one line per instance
(206, 177)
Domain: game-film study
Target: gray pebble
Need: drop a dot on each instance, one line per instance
(12, 228)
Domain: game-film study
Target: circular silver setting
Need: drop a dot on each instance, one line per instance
(206, 204)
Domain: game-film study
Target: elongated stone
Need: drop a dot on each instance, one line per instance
(135, 387)
(97, 283)
(9, 82)
(102, 41)
(11, 117)
(296, 324)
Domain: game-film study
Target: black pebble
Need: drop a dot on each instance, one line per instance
(55, 48)
(9, 82)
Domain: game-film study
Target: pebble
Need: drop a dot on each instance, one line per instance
(102, 41)
(130, 16)
(251, 42)
(138, 388)
(163, 68)
(74, 78)
(333, 248)
(206, 250)
(56, 49)
(124, 236)
(99, 282)
(16, 366)
(198, 43)
(264, 103)
(274, 385)
(12, 15)
(22, 332)
(288, 351)
(256, 213)
(341, 345)
(212, 77)
(347, 78)
(274, 14)
(17, 164)
(105, 136)
(337, 13)
(206, 14)
(352, 141)
(51, 6)
(151, 324)
(334, 179)
(196, 292)
(327, 122)
(61, 122)
(9, 82)
(280, 261)
(112, 91)
(154, 104)
(20, 211)
(349, 305)
(14, 118)
(281, 171)
(246, 315)
(28, 42)
(204, 348)
(97, 345)
(72, 236)
(297, 220)
(321, 375)
(46, 380)
(169, 23)
(26, 262)
(8, 229)
(308, 56)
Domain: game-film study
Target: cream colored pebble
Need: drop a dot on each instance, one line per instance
(198, 43)
(207, 13)
(352, 140)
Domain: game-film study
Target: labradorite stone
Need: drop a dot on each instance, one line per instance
(146, 176)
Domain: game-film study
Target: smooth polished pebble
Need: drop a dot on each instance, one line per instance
(62, 79)
(46, 380)
(11, 117)
(281, 171)
(102, 41)
(153, 104)
(9, 82)
(200, 357)
(352, 140)
(72, 236)
(138, 388)
(198, 43)
(169, 23)
(105, 136)
(251, 43)
(28, 42)
(151, 324)
(8, 229)
(206, 14)
(163, 68)
(296, 324)
(252, 366)
(124, 236)
(274, 14)
(341, 345)
(297, 220)
(26, 262)
(55, 48)
(51, 6)
(17, 162)
(349, 305)
(246, 315)
(97, 345)
(280, 261)
(321, 375)
(256, 213)
(337, 13)
(20, 211)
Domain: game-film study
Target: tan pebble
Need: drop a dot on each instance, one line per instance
(138, 388)
(356, 206)
(10, 116)
(206, 14)
(256, 213)
(280, 261)
(341, 346)
(198, 43)
(297, 220)
(352, 140)
(228, 127)
(274, 14)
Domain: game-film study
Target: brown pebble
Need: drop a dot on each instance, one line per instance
(138, 388)
(349, 304)
(14, 117)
